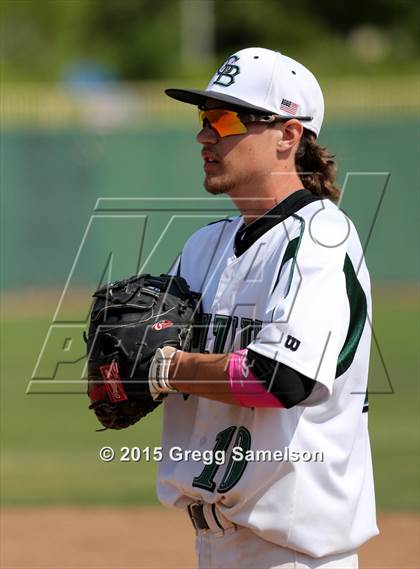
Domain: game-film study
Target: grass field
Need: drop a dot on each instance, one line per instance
(50, 445)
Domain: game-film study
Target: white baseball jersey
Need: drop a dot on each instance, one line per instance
(297, 292)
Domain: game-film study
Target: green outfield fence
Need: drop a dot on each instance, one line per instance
(61, 151)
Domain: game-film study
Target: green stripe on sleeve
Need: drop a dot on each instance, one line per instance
(358, 314)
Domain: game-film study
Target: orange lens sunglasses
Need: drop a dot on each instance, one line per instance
(224, 122)
(227, 123)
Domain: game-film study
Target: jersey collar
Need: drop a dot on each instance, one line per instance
(248, 234)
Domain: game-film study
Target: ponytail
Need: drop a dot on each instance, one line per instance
(316, 167)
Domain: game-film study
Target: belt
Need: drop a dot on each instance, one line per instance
(204, 517)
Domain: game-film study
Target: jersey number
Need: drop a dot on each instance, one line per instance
(234, 469)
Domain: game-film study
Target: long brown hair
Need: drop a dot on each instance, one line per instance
(316, 167)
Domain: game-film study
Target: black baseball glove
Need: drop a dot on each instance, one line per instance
(130, 320)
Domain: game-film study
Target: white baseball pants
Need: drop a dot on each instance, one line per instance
(240, 548)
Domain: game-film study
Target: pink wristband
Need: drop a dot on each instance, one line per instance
(245, 387)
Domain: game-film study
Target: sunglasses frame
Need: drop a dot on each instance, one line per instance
(247, 118)
(250, 117)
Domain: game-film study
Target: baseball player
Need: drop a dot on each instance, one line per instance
(265, 431)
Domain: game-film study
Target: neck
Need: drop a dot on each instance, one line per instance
(256, 201)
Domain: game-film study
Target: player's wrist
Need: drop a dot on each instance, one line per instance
(159, 372)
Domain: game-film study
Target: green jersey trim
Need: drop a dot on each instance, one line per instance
(358, 314)
(355, 294)
(291, 252)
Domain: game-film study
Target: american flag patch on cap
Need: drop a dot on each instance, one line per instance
(289, 107)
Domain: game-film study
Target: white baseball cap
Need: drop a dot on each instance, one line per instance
(263, 80)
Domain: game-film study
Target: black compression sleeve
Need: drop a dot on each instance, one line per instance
(288, 385)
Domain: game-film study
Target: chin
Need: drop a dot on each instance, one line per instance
(215, 187)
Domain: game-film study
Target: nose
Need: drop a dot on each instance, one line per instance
(207, 135)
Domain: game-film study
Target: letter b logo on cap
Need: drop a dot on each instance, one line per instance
(227, 72)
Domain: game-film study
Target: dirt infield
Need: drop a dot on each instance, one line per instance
(128, 538)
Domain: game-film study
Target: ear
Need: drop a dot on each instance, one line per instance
(291, 133)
